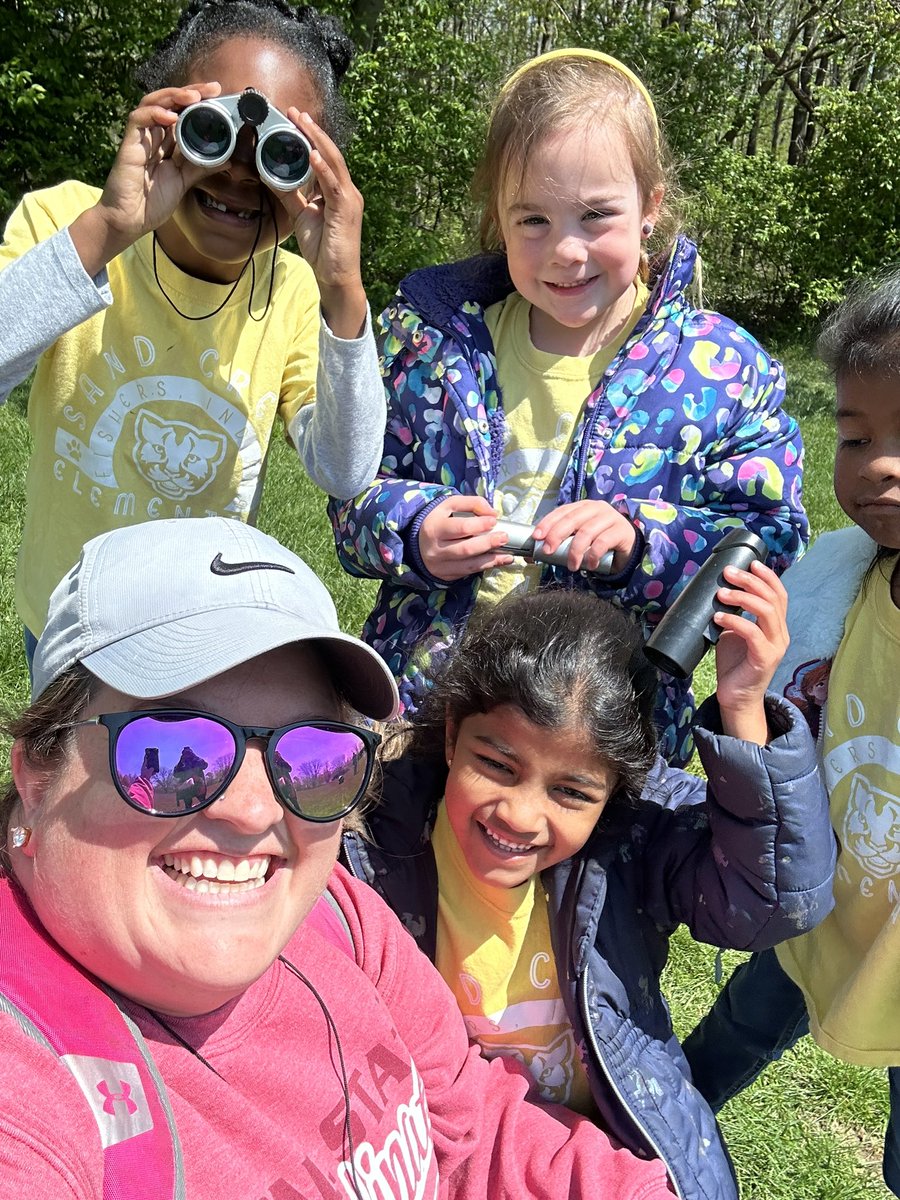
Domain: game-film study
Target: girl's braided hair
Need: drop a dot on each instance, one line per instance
(316, 39)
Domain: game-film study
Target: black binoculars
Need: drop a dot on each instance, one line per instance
(687, 630)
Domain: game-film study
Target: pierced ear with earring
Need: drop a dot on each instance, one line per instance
(646, 229)
(19, 836)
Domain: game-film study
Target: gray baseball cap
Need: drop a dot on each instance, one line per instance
(156, 608)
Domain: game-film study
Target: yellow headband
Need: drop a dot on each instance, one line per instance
(580, 52)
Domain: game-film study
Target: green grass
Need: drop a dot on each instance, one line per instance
(811, 1128)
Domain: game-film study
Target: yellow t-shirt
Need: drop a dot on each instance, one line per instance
(137, 413)
(543, 395)
(849, 966)
(495, 954)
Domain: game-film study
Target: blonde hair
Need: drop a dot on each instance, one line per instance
(556, 92)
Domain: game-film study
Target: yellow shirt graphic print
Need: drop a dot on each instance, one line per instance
(849, 966)
(139, 414)
(495, 954)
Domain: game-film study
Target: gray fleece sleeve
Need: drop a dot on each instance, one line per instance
(44, 294)
(340, 438)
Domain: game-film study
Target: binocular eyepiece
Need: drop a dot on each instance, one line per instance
(207, 132)
(687, 630)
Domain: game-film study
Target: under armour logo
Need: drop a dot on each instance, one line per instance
(219, 567)
(113, 1098)
(115, 1093)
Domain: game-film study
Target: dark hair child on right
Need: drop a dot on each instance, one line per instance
(542, 853)
(840, 982)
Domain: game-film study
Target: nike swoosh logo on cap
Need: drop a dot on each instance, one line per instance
(219, 567)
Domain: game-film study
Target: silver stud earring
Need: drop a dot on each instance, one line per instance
(19, 836)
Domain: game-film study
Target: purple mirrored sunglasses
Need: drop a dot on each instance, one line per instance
(169, 762)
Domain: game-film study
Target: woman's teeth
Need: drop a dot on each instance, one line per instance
(199, 874)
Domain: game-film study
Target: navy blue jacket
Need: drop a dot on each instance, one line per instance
(744, 862)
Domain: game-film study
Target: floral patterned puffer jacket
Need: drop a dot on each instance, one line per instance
(684, 433)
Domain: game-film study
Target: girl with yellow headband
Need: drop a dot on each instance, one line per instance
(563, 381)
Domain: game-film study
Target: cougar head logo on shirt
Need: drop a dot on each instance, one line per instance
(174, 457)
(871, 831)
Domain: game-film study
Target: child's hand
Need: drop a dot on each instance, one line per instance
(595, 528)
(328, 227)
(146, 182)
(748, 653)
(452, 548)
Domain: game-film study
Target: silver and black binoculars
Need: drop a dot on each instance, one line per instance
(207, 132)
(520, 543)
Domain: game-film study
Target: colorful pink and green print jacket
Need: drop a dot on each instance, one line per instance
(685, 434)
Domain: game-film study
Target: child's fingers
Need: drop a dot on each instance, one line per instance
(758, 591)
(332, 174)
(461, 560)
(766, 638)
(162, 107)
(331, 160)
(148, 116)
(461, 526)
(473, 546)
(180, 97)
(759, 579)
(770, 614)
(595, 528)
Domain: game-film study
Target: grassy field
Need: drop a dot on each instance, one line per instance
(811, 1128)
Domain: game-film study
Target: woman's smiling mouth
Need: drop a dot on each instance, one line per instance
(203, 873)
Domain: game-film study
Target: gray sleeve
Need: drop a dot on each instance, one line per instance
(340, 437)
(43, 295)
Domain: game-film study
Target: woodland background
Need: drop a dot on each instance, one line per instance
(782, 115)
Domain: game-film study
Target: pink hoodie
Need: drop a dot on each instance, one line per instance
(427, 1116)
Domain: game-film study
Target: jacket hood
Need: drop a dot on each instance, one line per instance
(439, 293)
(816, 614)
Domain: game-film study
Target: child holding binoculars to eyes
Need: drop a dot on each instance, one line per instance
(169, 333)
(563, 381)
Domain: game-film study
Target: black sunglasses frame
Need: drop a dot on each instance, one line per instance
(114, 723)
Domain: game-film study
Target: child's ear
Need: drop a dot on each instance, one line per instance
(653, 205)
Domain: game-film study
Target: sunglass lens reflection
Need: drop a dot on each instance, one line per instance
(171, 764)
(319, 772)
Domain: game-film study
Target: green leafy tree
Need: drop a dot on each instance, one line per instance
(65, 86)
(419, 100)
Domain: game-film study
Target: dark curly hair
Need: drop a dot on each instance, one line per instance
(317, 40)
(563, 658)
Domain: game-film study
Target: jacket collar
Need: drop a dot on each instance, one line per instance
(438, 293)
